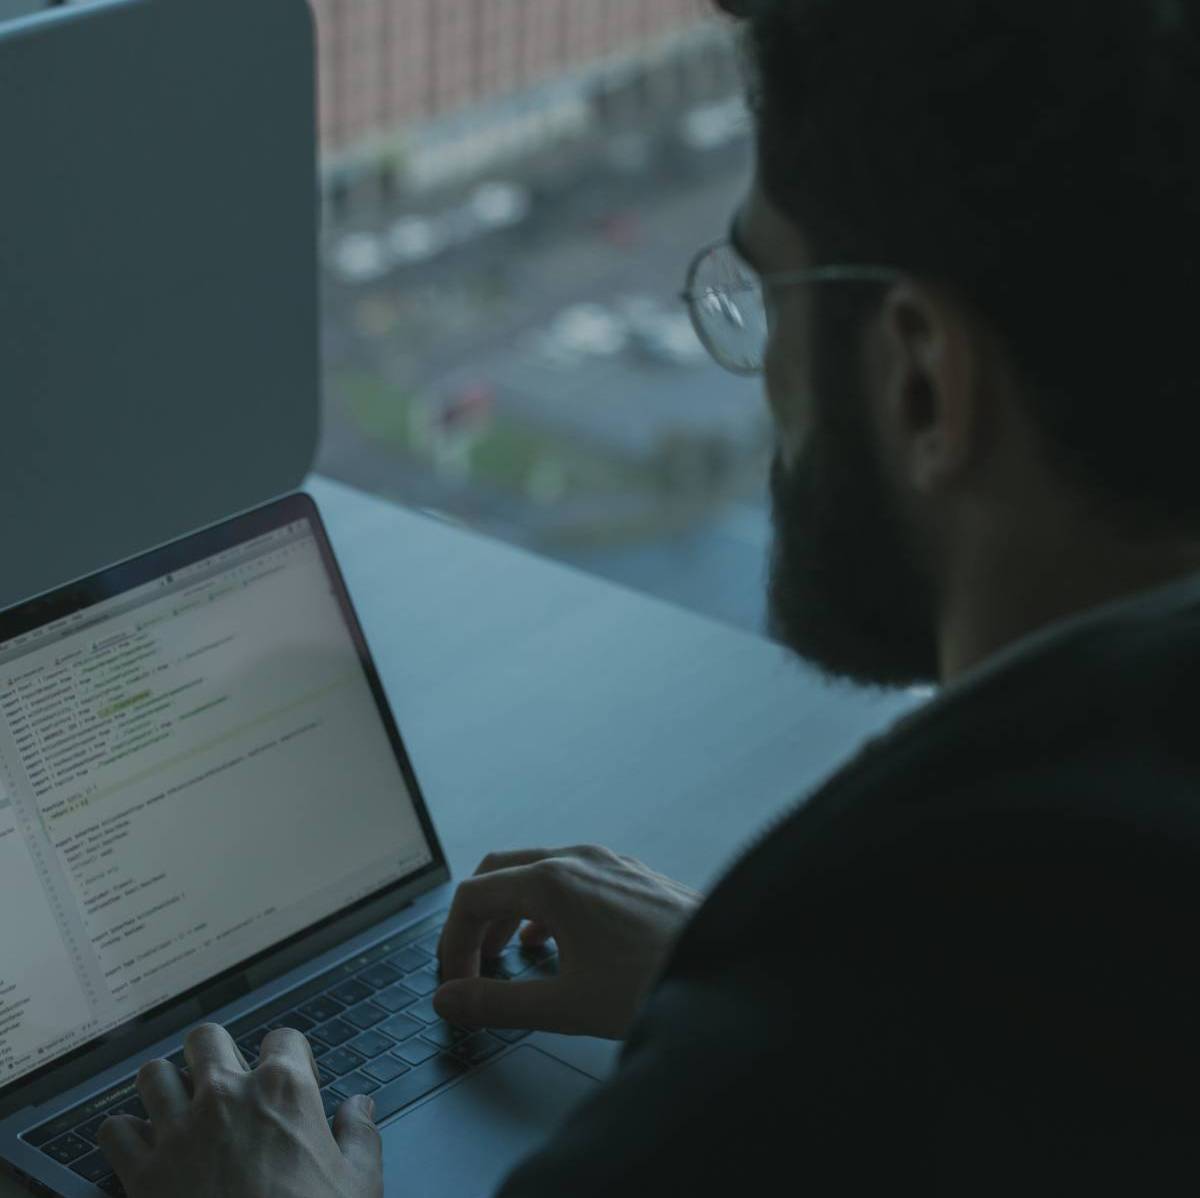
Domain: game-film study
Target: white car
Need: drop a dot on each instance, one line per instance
(711, 126)
(500, 205)
(359, 258)
(589, 329)
(669, 337)
(661, 333)
(415, 239)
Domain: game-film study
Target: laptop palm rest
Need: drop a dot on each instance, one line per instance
(464, 1141)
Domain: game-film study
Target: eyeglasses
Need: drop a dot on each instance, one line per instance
(727, 302)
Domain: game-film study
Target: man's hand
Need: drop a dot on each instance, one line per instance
(614, 922)
(224, 1132)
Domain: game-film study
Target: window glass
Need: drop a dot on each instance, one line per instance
(513, 190)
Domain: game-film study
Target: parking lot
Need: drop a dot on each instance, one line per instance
(518, 358)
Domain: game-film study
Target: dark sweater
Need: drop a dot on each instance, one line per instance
(967, 965)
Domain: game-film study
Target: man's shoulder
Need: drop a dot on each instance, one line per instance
(1089, 729)
(1068, 778)
(1108, 825)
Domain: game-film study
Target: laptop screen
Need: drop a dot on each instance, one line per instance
(191, 770)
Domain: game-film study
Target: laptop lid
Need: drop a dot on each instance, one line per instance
(201, 783)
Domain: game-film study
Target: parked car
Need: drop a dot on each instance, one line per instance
(359, 258)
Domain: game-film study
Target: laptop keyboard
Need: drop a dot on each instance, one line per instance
(372, 1028)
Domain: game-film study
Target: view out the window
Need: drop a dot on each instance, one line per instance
(512, 192)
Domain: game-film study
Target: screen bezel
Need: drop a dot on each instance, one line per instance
(251, 972)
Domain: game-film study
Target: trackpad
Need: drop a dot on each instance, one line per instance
(465, 1141)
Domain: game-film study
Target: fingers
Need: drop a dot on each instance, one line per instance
(478, 902)
(287, 1044)
(210, 1049)
(483, 1002)
(512, 858)
(534, 935)
(498, 935)
(358, 1138)
(162, 1091)
(122, 1141)
(496, 938)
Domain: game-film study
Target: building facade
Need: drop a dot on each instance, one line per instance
(386, 65)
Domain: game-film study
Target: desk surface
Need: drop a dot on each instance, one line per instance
(542, 707)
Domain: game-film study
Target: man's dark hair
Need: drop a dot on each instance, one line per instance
(1041, 157)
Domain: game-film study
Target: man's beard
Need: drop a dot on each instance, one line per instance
(845, 592)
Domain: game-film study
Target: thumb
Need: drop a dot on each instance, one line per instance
(489, 1002)
(357, 1136)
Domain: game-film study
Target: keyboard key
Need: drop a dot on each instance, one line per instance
(112, 1185)
(335, 1032)
(478, 1047)
(69, 1120)
(294, 1019)
(509, 1034)
(429, 944)
(514, 962)
(355, 1083)
(385, 1068)
(42, 1134)
(408, 959)
(324, 1077)
(131, 1106)
(444, 1035)
(370, 1044)
(400, 1027)
(350, 992)
(340, 1061)
(379, 975)
(423, 1011)
(519, 962)
(414, 1084)
(330, 1101)
(415, 1051)
(253, 1041)
(365, 1015)
(424, 981)
(93, 1166)
(90, 1129)
(395, 998)
(37, 1136)
(321, 1008)
(67, 1148)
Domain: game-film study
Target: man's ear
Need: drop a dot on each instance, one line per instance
(925, 379)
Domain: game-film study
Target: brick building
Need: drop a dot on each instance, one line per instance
(389, 64)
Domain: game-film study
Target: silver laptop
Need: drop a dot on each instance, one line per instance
(207, 813)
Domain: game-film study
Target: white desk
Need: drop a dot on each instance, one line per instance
(542, 707)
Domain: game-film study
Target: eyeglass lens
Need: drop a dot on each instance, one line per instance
(730, 314)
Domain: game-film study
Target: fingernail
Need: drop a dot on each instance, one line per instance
(369, 1106)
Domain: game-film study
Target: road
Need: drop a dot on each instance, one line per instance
(594, 481)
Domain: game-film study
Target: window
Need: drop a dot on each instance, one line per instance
(502, 339)
(513, 190)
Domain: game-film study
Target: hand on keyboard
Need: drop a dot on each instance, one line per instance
(613, 919)
(229, 1133)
